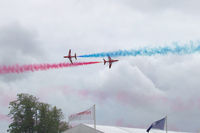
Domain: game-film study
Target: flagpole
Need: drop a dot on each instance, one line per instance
(94, 117)
(166, 123)
(68, 121)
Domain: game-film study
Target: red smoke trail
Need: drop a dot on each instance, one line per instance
(36, 67)
(4, 117)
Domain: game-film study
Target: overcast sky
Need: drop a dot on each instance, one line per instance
(136, 91)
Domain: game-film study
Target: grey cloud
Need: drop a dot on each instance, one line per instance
(17, 41)
(18, 46)
(159, 6)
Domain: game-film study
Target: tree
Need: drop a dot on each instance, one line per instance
(22, 112)
(31, 116)
(63, 126)
(43, 117)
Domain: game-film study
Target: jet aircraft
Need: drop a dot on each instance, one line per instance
(70, 57)
(110, 61)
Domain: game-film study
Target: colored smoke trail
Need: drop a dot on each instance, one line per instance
(174, 49)
(4, 117)
(36, 67)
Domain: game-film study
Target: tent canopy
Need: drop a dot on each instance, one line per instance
(86, 128)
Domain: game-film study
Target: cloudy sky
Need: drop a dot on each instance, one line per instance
(136, 91)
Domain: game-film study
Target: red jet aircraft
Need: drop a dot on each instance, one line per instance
(110, 61)
(70, 57)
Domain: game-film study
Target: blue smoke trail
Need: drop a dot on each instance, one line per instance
(174, 49)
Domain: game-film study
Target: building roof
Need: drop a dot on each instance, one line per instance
(114, 129)
(86, 128)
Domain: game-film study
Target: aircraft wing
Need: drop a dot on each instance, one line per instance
(70, 59)
(110, 65)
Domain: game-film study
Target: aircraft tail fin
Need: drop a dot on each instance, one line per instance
(75, 56)
(104, 61)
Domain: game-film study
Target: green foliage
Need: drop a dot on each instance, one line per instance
(30, 116)
(63, 126)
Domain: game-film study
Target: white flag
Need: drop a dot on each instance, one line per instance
(84, 115)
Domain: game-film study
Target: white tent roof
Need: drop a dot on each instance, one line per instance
(113, 129)
(86, 128)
